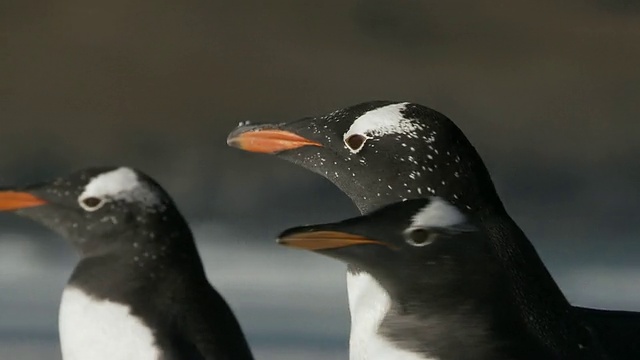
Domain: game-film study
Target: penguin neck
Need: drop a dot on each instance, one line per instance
(538, 301)
(445, 319)
(443, 325)
(466, 184)
(139, 265)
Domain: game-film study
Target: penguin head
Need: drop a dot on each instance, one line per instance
(419, 243)
(380, 152)
(96, 209)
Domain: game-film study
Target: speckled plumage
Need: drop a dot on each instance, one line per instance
(433, 159)
(138, 266)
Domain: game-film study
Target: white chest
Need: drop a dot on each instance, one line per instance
(368, 304)
(97, 330)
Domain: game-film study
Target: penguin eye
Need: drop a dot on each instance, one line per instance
(91, 203)
(419, 237)
(355, 142)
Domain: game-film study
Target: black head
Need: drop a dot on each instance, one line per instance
(425, 246)
(453, 294)
(100, 210)
(381, 152)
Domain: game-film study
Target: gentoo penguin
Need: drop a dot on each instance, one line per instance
(139, 290)
(454, 292)
(381, 152)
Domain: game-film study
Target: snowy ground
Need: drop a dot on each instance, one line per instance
(292, 304)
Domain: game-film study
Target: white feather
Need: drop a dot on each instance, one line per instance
(439, 213)
(120, 184)
(381, 121)
(102, 330)
(368, 304)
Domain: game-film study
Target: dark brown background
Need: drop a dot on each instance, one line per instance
(548, 91)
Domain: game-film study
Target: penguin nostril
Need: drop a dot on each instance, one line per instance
(355, 142)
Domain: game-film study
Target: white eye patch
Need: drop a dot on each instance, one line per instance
(119, 184)
(377, 122)
(439, 214)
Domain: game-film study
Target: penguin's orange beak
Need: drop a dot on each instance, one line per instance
(267, 141)
(322, 240)
(15, 200)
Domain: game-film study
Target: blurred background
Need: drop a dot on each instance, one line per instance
(547, 91)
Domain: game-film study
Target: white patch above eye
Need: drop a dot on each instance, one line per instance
(439, 214)
(119, 184)
(380, 121)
